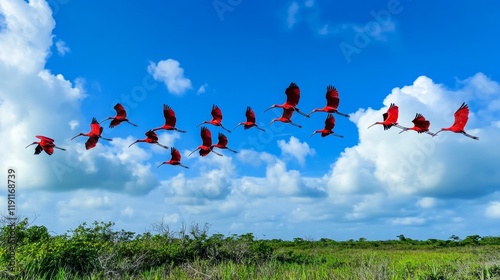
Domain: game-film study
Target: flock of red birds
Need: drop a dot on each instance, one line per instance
(421, 125)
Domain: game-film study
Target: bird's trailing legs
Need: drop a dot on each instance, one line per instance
(342, 114)
(428, 132)
(302, 113)
(216, 153)
(176, 164)
(163, 146)
(225, 128)
(332, 133)
(111, 118)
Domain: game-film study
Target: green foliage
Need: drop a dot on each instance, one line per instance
(98, 251)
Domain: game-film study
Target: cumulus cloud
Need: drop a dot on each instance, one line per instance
(292, 13)
(493, 210)
(62, 48)
(169, 72)
(419, 164)
(295, 149)
(24, 47)
(202, 89)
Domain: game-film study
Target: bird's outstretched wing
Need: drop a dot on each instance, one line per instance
(151, 135)
(169, 115)
(216, 113)
(176, 156)
(250, 114)
(461, 116)
(292, 94)
(332, 97)
(329, 122)
(120, 110)
(206, 137)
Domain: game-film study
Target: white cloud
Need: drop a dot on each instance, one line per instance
(202, 89)
(309, 3)
(62, 48)
(26, 36)
(169, 72)
(26, 43)
(427, 202)
(408, 221)
(295, 149)
(493, 210)
(418, 164)
(292, 13)
(128, 211)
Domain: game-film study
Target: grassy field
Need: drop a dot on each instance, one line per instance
(99, 252)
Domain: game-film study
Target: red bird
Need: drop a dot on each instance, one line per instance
(328, 130)
(94, 134)
(170, 120)
(292, 99)
(151, 138)
(175, 159)
(332, 102)
(121, 116)
(206, 147)
(216, 118)
(286, 117)
(390, 118)
(461, 118)
(420, 125)
(46, 144)
(222, 144)
(250, 114)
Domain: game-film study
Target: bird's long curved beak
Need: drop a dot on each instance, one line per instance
(160, 165)
(132, 144)
(237, 125)
(271, 122)
(268, 109)
(404, 129)
(31, 144)
(193, 152)
(60, 148)
(371, 125)
(104, 120)
(312, 134)
(75, 136)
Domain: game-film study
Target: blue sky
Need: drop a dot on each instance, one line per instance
(65, 62)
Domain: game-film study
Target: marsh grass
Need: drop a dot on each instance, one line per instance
(98, 252)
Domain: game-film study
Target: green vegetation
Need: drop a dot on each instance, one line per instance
(97, 251)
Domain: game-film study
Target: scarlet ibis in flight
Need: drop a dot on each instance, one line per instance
(286, 117)
(332, 102)
(292, 99)
(222, 143)
(420, 125)
(461, 118)
(216, 118)
(250, 114)
(45, 144)
(328, 130)
(170, 120)
(151, 138)
(390, 118)
(94, 134)
(206, 146)
(121, 116)
(175, 158)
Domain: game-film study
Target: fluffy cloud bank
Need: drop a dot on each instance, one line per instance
(29, 97)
